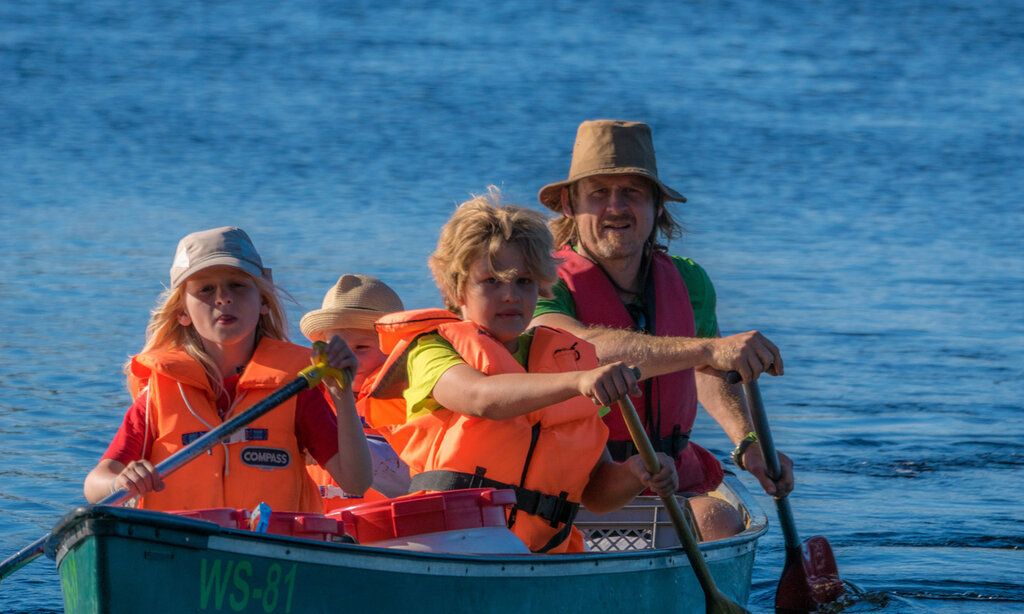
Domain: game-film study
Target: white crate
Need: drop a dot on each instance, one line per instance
(643, 524)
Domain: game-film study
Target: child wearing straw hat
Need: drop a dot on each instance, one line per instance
(349, 311)
(216, 346)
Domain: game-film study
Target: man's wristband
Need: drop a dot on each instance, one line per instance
(741, 447)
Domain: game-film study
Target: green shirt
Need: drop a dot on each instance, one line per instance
(698, 284)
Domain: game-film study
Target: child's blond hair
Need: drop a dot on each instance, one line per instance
(164, 331)
(481, 226)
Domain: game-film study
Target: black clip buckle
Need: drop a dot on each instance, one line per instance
(557, 507)
(477, 481)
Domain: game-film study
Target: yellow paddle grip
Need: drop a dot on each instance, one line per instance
(314, 373)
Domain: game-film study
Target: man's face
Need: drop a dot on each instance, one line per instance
(614, 214)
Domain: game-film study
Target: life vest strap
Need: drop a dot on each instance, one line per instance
(555, 509)
(672, 445)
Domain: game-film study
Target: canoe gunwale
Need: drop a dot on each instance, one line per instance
(87, 521)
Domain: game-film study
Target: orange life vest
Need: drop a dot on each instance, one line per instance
(547, 455)
(379, 413)
(332, 495)
(381, 395)
(260, 463)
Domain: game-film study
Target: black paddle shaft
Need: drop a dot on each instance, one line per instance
(755, 407)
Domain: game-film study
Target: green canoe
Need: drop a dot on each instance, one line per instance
(123, 560)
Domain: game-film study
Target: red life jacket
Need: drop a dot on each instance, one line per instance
(669, 413)
(546, 455)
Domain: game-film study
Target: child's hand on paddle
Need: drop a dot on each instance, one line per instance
(337, 355)
(138, 478)
(607, 384)
(664, 483)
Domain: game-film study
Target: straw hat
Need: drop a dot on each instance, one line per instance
(609, 147)
(356, 301)
(224, 246)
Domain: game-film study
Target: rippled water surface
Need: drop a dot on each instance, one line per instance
(854, 173)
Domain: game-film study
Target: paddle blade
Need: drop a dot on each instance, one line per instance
(821, 571)
(809, 579)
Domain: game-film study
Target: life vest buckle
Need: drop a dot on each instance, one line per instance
(477, 481)
(554, 509)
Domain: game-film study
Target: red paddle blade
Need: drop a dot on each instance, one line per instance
(809, 579)
(821, 571)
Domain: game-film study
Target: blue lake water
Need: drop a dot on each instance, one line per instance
(854, 172)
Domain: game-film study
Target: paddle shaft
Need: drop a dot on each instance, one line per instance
(755, 406)
(714, 599)
(764, 435)
(174, 462)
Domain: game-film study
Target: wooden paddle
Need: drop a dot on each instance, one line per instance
(308, 378)
(714, 600)
(810, 577)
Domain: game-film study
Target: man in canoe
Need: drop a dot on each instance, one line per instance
(619, 289)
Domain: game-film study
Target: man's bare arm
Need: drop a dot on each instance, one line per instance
(749, 353)
(722, 402)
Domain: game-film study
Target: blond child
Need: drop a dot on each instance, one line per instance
(492, 404)
(215, 346)
(348, 311)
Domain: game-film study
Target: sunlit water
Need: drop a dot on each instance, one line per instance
(854, 173)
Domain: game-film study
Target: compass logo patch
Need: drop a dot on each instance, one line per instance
(266, 458)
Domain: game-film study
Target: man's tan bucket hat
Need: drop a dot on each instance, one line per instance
(609, 147)
(356, 301)
(224, 246)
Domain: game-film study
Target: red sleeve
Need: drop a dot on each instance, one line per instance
(316, 426)
(132, 436)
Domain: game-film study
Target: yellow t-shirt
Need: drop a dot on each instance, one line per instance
(429, 357)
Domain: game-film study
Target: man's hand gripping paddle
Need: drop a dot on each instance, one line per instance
(810, 577)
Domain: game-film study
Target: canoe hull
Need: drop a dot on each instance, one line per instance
(116, 560)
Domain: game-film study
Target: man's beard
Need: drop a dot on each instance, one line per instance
(613, 247)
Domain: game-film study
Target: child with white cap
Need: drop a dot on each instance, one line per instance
(215, 346)
(349, 310)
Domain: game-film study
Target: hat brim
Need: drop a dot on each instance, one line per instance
(320, 320)
(551, 195)
(219, 260)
